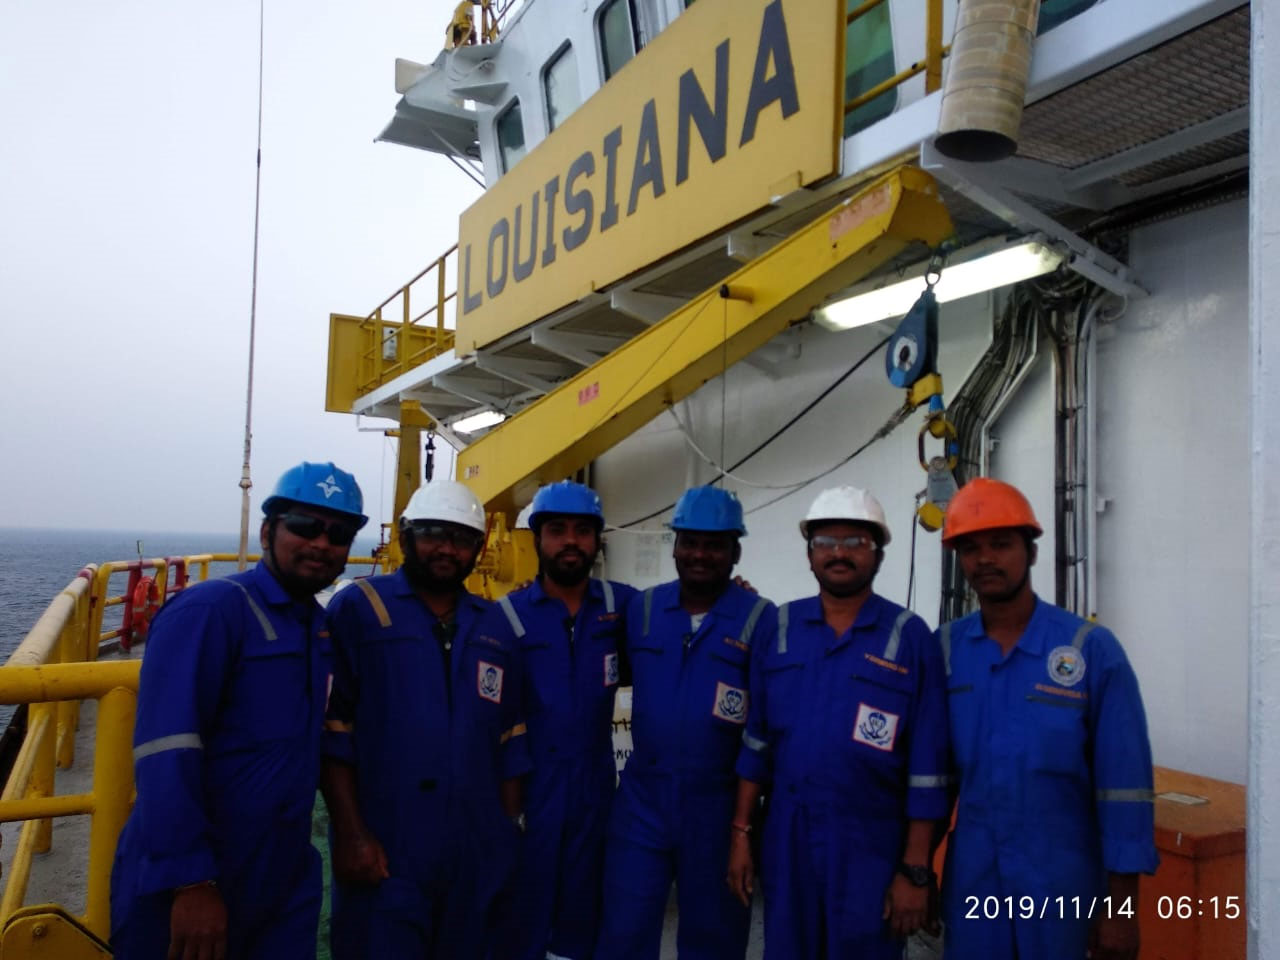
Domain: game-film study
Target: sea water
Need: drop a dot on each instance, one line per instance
(35, 565)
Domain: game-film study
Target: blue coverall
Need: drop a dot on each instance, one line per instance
(227, 758)
(571, 672)
(1054, 771)
(673, 809)
(851, 732)
(428, 759)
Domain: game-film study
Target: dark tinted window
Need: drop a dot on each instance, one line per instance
(560, 87)
(1054, 12)
(618, 40)
(511, 136)
(868, 61)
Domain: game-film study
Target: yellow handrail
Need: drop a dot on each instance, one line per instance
(51, 671)
(114, 686)
(930, 66)
(393, 346)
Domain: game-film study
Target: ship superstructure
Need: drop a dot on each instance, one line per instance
(692, 214)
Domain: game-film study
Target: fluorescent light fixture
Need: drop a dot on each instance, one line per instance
(478, 421)
(986, 271)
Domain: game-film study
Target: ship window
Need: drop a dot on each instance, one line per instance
(560, 86)
(511, 135)
(868, 61)
(1054, 12)
(618, 38)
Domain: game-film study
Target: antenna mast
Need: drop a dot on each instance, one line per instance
(245, 482)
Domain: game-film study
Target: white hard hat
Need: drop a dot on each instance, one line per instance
(522, 518)
(846, 503)
(446, 501)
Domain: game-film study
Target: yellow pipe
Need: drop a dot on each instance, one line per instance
(15, 890)
(42, 639)
(67, 681)
(73, 643)
(863, 8)
(112, 790)
(43, 771)
(68, 724)
(16, 786)
(35, 808)
(933, 48)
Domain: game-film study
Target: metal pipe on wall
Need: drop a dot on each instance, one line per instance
(987, 83)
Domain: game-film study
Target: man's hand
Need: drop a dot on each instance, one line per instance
(906, 906)
(744, 583)
(741, 878)
(1114, 938)
(198, 924)
(358, 858)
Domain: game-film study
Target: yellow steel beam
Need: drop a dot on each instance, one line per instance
(67, 681)
(48, 931)
(566, 429)
(112, 789)
(43, 806)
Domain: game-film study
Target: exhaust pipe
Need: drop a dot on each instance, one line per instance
(987, 82)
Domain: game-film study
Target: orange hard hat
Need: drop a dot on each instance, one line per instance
(987, 504)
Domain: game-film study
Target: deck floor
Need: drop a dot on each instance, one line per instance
(60, 876)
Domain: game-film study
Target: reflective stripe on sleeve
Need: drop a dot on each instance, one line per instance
(648, 610)
(754, 743)
(519, 730)
(895, 636)
(944, 639)
(926, 783)
(175, 741)
(784, 615)
(267, 628)
(753, 617)
(609, 605)
(513, 618)
(375, 601)
(1085, 629)
(1126, 796)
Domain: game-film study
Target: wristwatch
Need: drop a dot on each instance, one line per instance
(918, 875)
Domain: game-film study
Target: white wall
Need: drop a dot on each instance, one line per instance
(651, 468)
(1023, 452)
(1173, 465)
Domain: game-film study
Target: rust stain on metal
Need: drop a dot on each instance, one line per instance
(860, 211)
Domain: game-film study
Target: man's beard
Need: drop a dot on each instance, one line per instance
(568, 577)
(852, 587)
(422, 577)
(1011, 593)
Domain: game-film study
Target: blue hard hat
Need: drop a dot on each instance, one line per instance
(565, 497)
(317, 485)
(709, 509)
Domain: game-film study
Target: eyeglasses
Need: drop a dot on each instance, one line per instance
(437, 535)
(719, 543)
(341, 532)
(848, 544)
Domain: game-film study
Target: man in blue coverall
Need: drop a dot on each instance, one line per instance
(216, 859)
(848, 728)
(689, 644)
(568, 627)
(1049, 740)
(424, 747)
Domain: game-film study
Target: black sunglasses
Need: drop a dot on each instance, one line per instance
(431, 532)
(341, 533)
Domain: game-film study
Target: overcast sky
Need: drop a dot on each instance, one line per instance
(127, 137)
